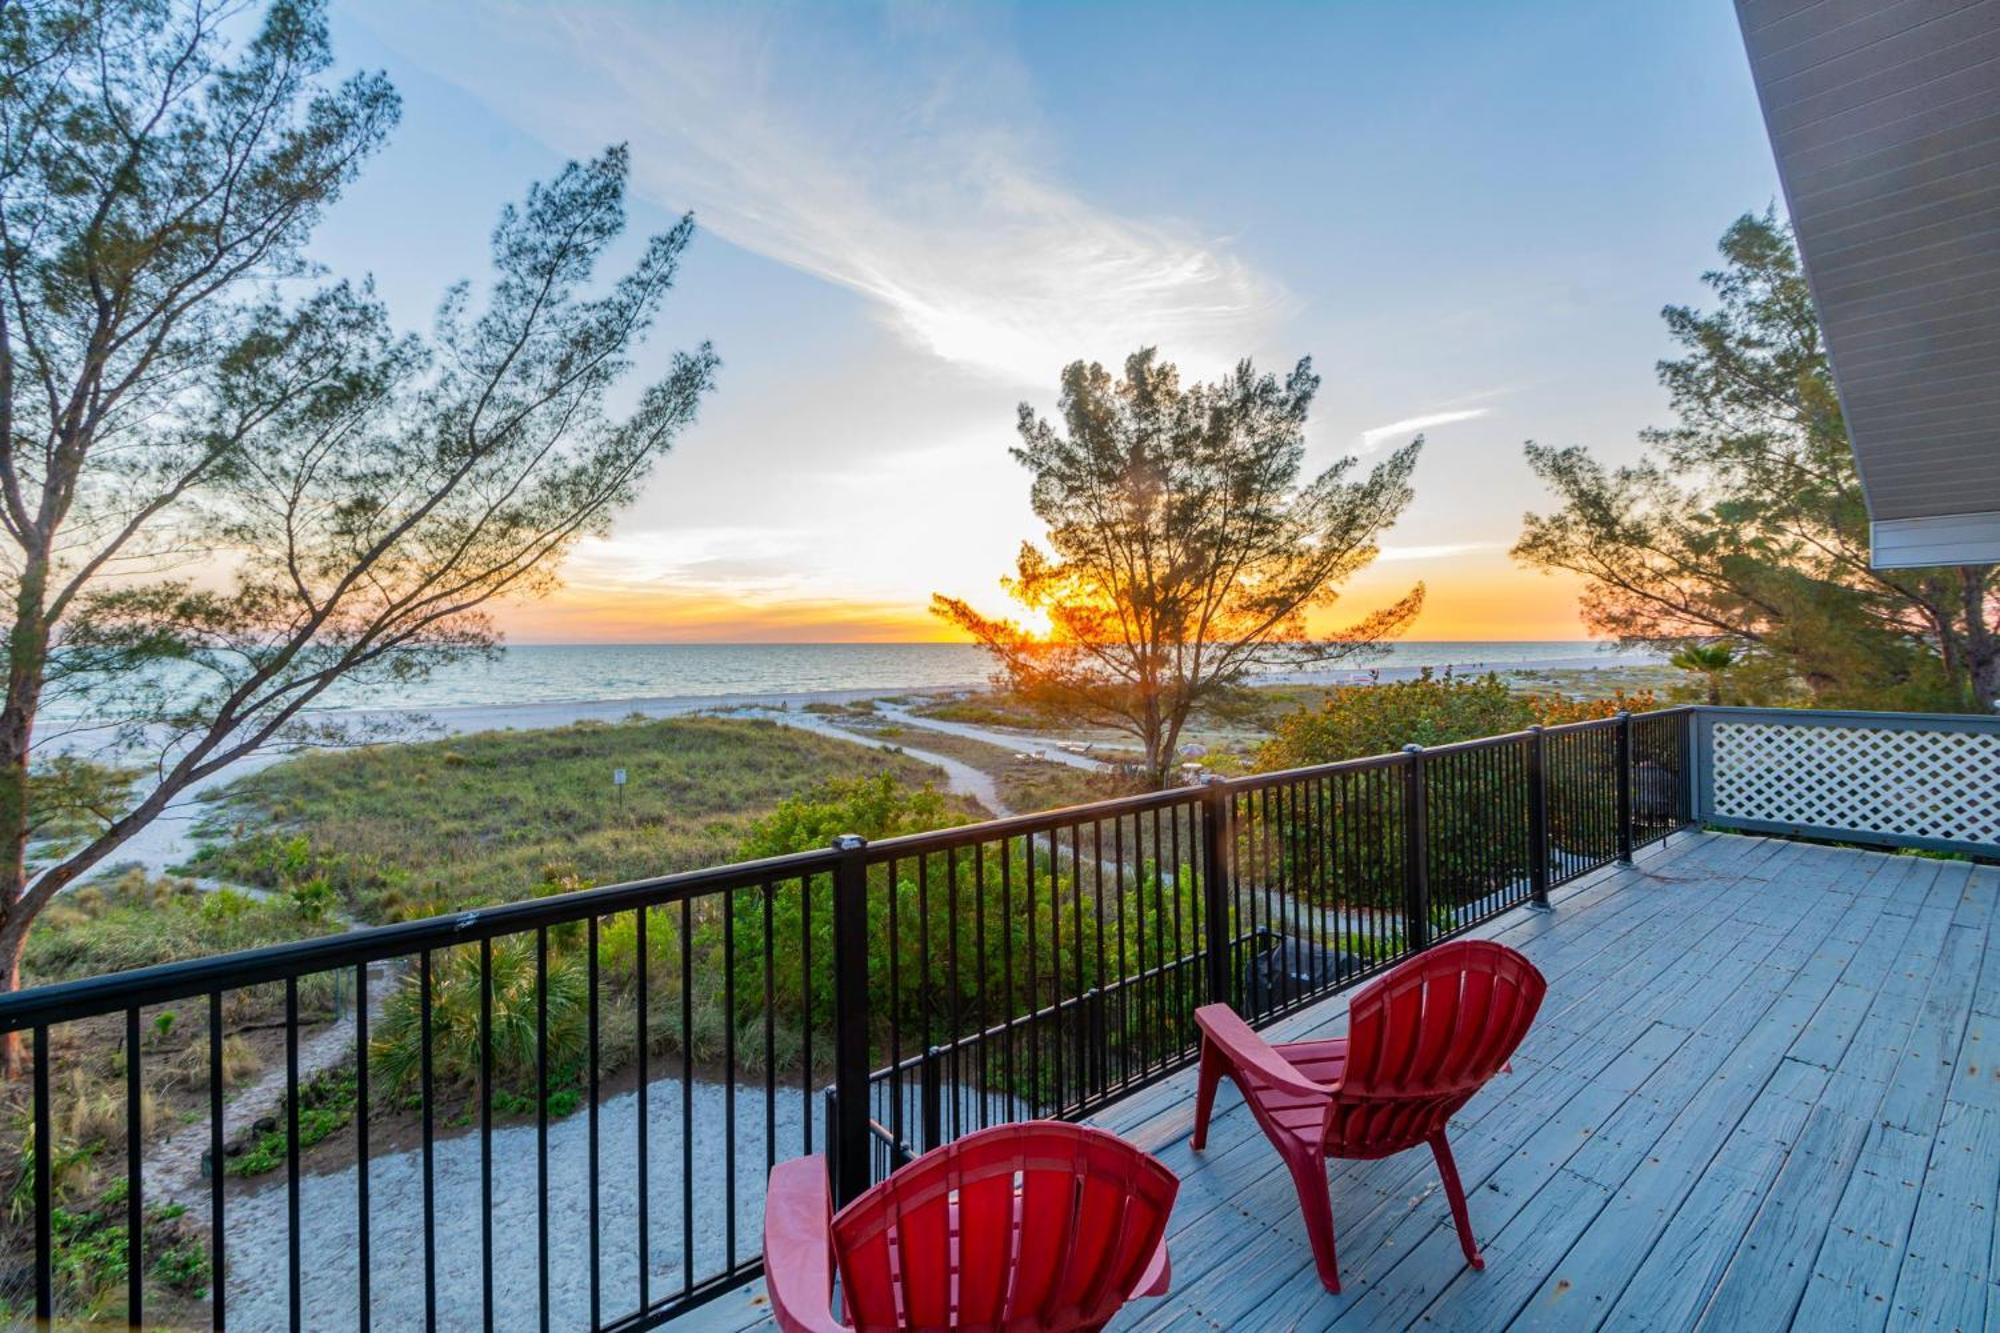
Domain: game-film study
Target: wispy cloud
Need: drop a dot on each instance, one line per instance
(1376, 436)
(1437, 552)
(746, 562)
(894, 154)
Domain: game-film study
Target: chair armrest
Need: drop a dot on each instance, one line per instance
(798, 1247)
(1252, 1054)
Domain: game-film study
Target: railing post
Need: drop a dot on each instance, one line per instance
(1538, 817)
(933, 1101)
(1416, 855)
(849, 1131)
(1215, 888)
(1100, 1040)
(1695, 752)
(1625, 787)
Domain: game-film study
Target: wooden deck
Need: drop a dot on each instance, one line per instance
(1764, 1092)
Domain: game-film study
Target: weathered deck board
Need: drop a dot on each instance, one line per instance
(1764, 1091)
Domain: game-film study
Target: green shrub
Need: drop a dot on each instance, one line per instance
(1356, 721)
(326, 1104)
(397, 1051)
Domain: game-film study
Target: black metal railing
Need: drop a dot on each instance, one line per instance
(575, 1100)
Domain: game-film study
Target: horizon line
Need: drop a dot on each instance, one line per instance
(929, 643)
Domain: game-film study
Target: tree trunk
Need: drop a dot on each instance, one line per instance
(1156, 759)
(1154, 740)
(1982, 645)
(13, 945)
(27, 654)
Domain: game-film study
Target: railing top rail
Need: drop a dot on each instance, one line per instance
(117, 991)
(1827, 717)
(1450, 747)
(991, 830)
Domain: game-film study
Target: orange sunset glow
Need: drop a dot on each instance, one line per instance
(1479, 597)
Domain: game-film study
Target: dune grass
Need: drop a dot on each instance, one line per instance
(401, 831)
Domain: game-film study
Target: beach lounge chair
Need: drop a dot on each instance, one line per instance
(1421, 1040)
(1035, 1226)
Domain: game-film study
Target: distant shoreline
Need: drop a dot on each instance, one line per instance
(458, 719)
(167, 840)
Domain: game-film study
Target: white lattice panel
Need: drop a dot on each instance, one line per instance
(1896, 781)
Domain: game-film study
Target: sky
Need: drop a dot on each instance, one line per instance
(911, 216)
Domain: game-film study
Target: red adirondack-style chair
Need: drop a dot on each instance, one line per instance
(1421, 1040)
(1034, 1226)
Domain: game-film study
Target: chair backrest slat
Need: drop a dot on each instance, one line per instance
(1424, 1038)
(1051, 1226)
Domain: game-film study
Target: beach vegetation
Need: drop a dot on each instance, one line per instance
(1708, 661)
(135, 921)
(401, 831)
(1479, 844)
(1431, 708)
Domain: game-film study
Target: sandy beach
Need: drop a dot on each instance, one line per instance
(168, 841)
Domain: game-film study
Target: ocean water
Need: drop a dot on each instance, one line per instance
(551, 673)
(608, 674)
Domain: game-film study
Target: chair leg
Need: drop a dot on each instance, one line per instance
(1455, 1192)
(1213, 1064)
(1316, 1204)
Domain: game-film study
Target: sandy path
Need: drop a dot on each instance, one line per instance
(961, 778)
(1035, 746)
(172, 1167)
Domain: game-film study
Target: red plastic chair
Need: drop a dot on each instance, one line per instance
(1421, 1040)
(1036, 1226)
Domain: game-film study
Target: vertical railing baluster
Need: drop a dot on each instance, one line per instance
(486, 1133)
(643, 1202)
(850, 995)
(1538, 816)
(957, 1005)
(985, 1019)
(770, 1036)
(542, 1124)
(1078, 1053)
(594, 1189)
(1416, 852)
(1156, 890)
(932, 1101)
(1181, 1010)
(1097, 880)
(1124, 961)
(217, 1252)
(135, 1184)
(893, 909)
(1055, 972)
(364, 1313)
(1007, 966)
(1215, 890)
(45, 1286)
(892, 875)
(728, 904)
(806, 999)
(1033, 964)
(293, 1248)
(687, 1095)
(1625, 787)
(427, 1074)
